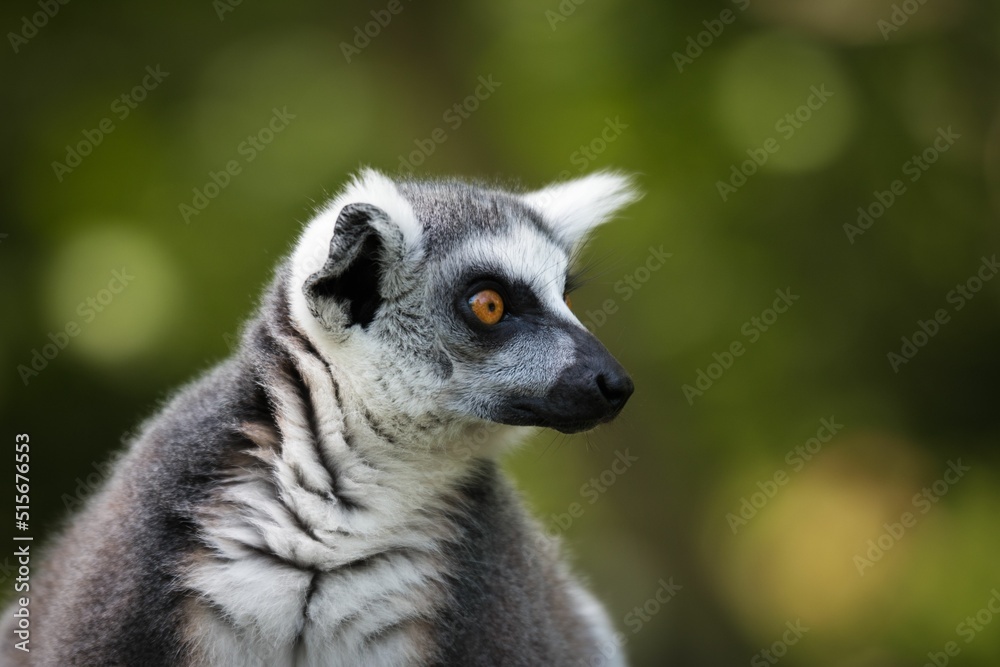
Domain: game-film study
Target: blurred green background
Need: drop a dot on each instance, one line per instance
(757, 130)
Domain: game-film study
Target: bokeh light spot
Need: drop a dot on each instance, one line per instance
(778, 89)
(117, 287)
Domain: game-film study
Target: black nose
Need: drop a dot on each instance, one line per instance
(615, 388)
(591, 390)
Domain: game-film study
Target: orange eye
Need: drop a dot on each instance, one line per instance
(569, 301)
(487, 305)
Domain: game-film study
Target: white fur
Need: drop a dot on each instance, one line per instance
(397, 527)
(525, 255)
(313, 247)
(589, 607)
(574, 208)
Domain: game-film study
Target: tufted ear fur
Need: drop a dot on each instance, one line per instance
(573, 208)
(347, 290)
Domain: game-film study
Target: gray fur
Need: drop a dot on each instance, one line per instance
(329, 495)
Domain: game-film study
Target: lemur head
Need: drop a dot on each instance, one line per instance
(448, 301)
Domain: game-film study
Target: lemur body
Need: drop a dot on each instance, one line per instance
(329, 495)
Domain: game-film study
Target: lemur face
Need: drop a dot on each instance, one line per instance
(520, 356)
(459, 295)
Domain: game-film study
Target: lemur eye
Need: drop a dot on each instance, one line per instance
(569, 301)
(487, 306)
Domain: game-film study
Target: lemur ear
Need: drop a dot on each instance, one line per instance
(573, 208)
(348, 289)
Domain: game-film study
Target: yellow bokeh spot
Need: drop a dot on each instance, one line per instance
(116, 289)
(862, 21)
(804, 553)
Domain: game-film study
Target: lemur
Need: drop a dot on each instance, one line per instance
(330, 494)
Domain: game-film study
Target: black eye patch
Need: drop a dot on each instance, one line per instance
(519, 298)
(522, 307)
